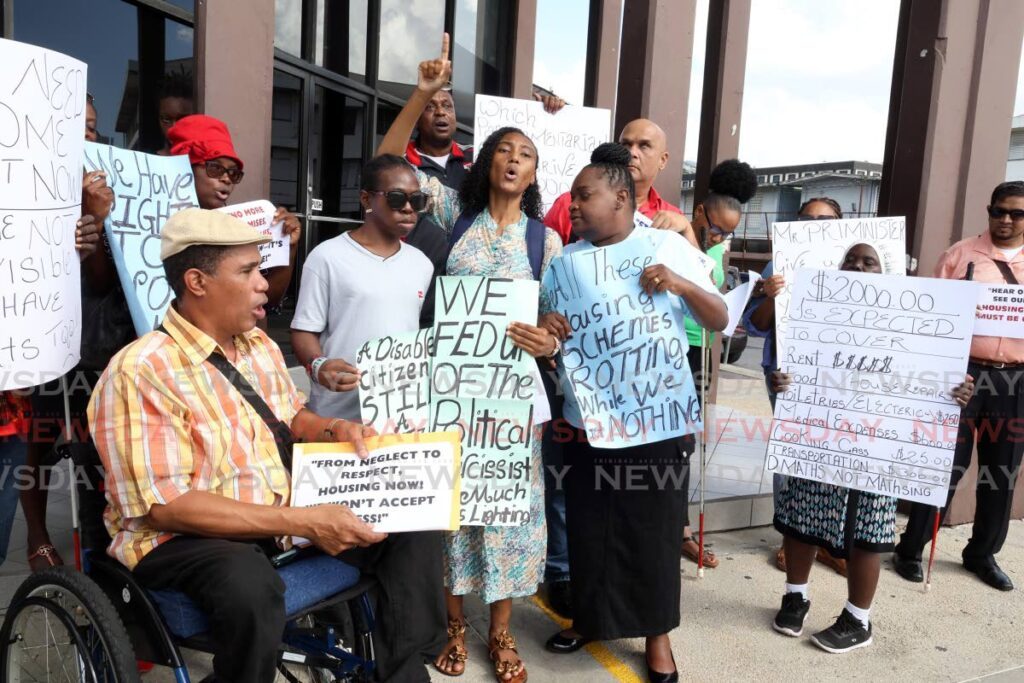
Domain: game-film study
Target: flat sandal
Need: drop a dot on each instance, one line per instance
(457, 654)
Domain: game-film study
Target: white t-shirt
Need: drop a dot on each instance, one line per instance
(672, 250)
(349, 296)
(1012, 252)
(440, 161)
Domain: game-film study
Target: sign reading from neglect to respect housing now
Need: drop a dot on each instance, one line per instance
(148, 189)
(873, 359)
(394, 382)
(564, 140)
(42, 130)
(259, 215)
(483, 386)
(823, 244)
(409, 482)
(626, 358)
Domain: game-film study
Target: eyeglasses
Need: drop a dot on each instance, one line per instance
(998, 212)
(715, 230)
(396, 199)
(802, 217)
(216, 169)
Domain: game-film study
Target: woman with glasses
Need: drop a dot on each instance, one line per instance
(732, 184)
(217, 170)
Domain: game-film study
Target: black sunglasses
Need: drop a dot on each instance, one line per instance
(396, 199)
(215, 170)
(998, 212)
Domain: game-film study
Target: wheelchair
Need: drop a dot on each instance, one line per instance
(93, 625)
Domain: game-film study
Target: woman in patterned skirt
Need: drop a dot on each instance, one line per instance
(854, 525)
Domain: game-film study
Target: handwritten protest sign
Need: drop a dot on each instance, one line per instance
(564, 140)
(259, 215)
(626, 358)
(823, 244)
(42, 129)
(148, 189)
(484, 386)
(1000, 311)
(409, 482)
(873, 359)
(737, 299)
(394, 384)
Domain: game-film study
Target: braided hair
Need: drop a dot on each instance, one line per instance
(612, 159)
(732, 184)
(476, 188)
(832, 204)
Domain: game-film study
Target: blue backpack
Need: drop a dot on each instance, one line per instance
(534, 239)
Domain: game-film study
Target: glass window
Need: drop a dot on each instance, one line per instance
(336, 152)
(480, 52)
(560, 55)
(410, 32)
(288, 26)
(341, 30)
(286, 177)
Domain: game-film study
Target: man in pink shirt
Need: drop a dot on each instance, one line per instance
(997, 364)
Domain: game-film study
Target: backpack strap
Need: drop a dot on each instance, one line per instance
(1008, 275)
(462, 224)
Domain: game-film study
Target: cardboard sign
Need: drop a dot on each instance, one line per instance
(873, 359)
(823, 244)
(409, 482)
(484, 386)
(259, 215)
(1000, 311)
(42, 130)
(394, 384)
(626, 359)
(564, 140)
(148, 189)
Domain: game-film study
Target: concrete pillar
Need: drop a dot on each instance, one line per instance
(654, 76)
(234, 52)
(525, 46)
(603, 53)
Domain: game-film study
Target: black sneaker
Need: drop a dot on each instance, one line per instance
(848, 633)
(790, 619)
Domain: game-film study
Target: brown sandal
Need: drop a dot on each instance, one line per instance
(710, 561)
(47, 552)
(457, 653)
(505, 641)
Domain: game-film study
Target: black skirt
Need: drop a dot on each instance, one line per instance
(625, 511)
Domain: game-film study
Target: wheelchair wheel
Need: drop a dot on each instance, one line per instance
(61, 627)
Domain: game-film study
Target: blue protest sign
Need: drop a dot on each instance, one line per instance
(626, 359)
(148, 189)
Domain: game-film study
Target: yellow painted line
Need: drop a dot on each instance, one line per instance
(621, 671)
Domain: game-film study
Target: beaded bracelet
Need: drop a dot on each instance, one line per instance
(314, 367)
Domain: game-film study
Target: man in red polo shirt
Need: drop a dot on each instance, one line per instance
(649, 146)
(991, 416)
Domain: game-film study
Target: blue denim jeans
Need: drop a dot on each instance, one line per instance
(13, 450)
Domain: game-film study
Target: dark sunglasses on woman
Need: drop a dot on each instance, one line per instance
(216, 169)
(396, 199)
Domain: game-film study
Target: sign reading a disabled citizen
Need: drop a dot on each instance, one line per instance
(409, 482)
(42, 129)
(394, 382)
(626, 358)
(873, 359)
(483, 386)
(148, 189)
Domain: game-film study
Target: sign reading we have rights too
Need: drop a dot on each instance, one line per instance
(873, 359)
(42, 130)
(148, 189)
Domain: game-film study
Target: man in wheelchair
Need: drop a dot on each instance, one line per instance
(194, 424)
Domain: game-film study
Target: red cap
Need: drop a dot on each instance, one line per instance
(203, 138)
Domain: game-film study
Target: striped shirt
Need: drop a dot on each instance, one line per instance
(165, 422)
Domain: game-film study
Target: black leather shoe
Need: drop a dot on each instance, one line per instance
(908, 569)
(990, 574)
(560, 598)
(659, 677)
(564, 645)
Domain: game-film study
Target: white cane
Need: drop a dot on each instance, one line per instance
(71, 470)
(702, 445)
